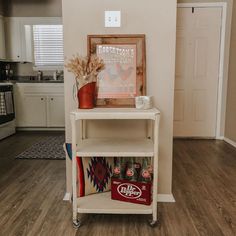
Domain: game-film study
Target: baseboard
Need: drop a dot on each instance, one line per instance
(160, 197)
(220, 137)
(67, 197)
(165, 198)
(229, 141)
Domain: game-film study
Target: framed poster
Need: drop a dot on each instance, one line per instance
(124, 77)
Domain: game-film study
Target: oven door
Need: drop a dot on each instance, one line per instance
(7, 110)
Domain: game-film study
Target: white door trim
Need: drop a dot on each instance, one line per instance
(220, 99)
(201, 4)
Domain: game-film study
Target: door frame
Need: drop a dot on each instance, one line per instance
(222, 80)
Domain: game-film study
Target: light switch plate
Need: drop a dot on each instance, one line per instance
(112, 18)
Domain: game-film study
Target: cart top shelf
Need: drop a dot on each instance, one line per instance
(115, 114)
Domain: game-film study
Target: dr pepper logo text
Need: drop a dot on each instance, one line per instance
(129, 191)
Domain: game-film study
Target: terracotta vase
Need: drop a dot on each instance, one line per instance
(87, 96)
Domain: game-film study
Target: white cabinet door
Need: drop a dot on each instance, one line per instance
(32, 112)
(56, 111)
(39, 105)
(27, 43)
(18, 40)
(197, 72)
(2, 39)
(13, 41)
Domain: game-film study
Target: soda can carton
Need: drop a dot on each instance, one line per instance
(130, 191)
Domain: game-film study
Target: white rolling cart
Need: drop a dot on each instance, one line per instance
(84, 147)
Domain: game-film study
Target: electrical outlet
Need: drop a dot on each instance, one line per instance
(112, 18)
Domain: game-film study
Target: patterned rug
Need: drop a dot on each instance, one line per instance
(48, 148)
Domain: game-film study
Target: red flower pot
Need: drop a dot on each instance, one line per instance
(87, 96)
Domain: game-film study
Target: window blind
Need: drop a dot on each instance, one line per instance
(48, 45)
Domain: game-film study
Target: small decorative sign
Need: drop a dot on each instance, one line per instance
(124, 76)
(118, 80)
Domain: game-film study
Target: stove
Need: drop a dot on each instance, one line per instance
(7, 110)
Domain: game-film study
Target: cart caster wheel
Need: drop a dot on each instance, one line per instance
(76, 224)
(152, 223)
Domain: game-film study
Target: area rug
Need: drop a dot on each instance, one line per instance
(48, 148)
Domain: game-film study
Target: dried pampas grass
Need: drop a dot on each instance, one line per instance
(85, 69)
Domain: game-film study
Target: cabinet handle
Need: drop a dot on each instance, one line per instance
(51, 99)
(41, 99)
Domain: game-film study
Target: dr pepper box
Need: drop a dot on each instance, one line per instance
(129, 191)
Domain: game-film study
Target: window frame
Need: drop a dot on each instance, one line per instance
(45, 67)
(41, 21)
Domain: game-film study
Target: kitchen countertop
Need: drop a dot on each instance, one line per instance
(6, 83)
(33, 81)
(40, 81)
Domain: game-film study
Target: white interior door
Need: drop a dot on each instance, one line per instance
(197, 71)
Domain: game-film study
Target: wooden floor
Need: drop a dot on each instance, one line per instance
(204, 186)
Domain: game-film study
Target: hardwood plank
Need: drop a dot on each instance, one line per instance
(204, 186)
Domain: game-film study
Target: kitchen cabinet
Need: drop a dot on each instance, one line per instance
(19, 36)
(2, 39)
(18, 40)
(56, 116)
(39, 105)
(33, 110)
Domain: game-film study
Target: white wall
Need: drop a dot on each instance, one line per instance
(35, 8)
(156, 19)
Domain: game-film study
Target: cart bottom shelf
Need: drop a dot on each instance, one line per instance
(103, 204)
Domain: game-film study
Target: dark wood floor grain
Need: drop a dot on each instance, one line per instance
(204, 186)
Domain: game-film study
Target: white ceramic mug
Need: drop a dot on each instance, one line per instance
(143, 102)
